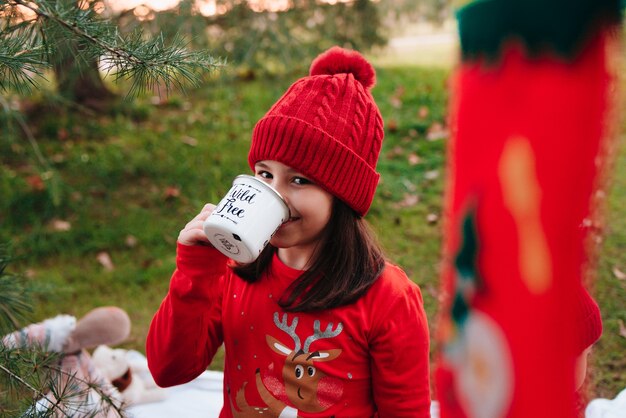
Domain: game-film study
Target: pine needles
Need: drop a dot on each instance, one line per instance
(37, 382)
(34, 33)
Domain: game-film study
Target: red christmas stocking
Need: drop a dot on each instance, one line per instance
(529, 114)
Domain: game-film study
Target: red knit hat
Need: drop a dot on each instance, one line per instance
(328, 127)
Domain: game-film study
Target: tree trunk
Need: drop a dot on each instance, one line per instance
(78, 78)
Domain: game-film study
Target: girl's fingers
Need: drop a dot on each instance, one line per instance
(195, 224)
(192, 236)
(207, 209)
(205, 212)
(193, 232)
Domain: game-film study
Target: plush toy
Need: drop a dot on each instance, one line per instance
(131, 378)
(76, 370)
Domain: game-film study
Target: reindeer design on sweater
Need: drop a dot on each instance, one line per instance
(305, 386)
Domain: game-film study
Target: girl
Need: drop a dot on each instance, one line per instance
(320, 324)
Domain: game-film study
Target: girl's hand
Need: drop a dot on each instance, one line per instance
(192, 233)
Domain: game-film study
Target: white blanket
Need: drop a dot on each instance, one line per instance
(202, 398)
(607, 408)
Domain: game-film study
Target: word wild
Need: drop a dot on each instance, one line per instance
(237, 195)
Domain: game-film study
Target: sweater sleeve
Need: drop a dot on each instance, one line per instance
(399, 350)
(186, 331)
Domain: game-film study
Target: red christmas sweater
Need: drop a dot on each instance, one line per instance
(366, 359)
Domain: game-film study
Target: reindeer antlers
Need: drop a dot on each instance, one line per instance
(290, 330)
(318, 334)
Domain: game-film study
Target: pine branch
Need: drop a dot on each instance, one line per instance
(29, 135)
(172, 65)
(38, 394)
(107, 401)
(27, 367)
(54, 390)
(147, 63)
(20, 63)
(15, 295)
(76, 30)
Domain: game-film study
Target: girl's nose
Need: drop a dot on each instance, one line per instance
(282, 190)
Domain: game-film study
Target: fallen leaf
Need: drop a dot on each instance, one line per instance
(58, 158)
(105, 260)
(414, 159)
(396, 99)
(431, 175)
(432, 218)
(408, 201)
(18, 105)
(62, 134)
(409, 186)
(395, 102)
(433, 291)
(423, 112)
(620, 275)
(395, 152)
(171, 192)
(131, 241)
(157, 100)
(189, 140)
(436, 132)
(60, 225)
(392, 125)
(622, 328)
(36, 183)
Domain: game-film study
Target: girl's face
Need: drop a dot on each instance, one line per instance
(310, 206)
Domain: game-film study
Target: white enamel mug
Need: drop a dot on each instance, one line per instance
(245, 220)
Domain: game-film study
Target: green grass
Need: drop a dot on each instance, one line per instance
(608, 363)
(126, 184)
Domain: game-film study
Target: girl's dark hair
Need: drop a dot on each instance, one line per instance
(347, 263)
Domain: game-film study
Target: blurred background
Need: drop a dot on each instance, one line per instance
(140, 112)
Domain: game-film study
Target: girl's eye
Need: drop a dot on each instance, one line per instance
(264, 174)
(301, 181)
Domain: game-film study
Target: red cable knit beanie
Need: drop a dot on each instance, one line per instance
(328, 127)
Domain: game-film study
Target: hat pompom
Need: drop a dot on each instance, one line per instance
(337, 60)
